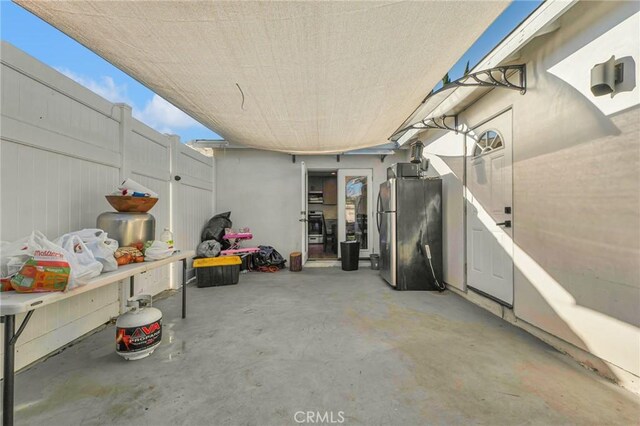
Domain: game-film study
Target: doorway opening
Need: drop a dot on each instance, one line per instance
(322, 215)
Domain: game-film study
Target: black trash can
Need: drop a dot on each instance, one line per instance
(350, 252)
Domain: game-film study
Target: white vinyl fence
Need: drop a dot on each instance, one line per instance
(62, 149)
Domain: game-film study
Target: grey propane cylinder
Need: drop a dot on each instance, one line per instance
(138, 331)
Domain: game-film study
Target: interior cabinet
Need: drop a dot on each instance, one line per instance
(315, 184)
(330, 190)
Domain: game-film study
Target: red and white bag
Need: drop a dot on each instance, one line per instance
(46, 269)
(98, 243)
(84, 265)
(51, 266)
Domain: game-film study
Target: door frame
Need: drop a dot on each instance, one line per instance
(341, 204)
(304, 207)
(465, 212)
(309, 171)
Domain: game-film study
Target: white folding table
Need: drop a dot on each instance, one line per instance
(12, 304)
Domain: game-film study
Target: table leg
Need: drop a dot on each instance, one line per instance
(10, 337)
(9, 358)
(132, 286)
(184, 288)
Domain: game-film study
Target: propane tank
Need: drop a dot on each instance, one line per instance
(138, 331)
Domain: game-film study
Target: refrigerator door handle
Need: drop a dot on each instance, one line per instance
(378, 212)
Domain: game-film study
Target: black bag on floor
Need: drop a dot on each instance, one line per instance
(214, 229)
(266, 257)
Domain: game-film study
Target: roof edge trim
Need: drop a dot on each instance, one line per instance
(498, 77)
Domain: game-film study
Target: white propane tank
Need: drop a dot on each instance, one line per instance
(139, 331)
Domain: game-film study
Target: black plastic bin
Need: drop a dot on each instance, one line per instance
(350, 252)
(217, 271)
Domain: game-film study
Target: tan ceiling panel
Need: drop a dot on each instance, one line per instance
(285, 76)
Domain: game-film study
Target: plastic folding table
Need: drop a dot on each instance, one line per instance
(12, 304)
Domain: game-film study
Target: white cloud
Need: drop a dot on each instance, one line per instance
(157, 112)
(105, 86)
(164, 117)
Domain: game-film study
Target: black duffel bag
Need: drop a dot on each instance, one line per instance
(267, 257)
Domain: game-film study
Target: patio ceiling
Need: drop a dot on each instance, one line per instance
(311, 77)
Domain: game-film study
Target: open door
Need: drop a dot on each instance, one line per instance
(304, 247)
(355, 208)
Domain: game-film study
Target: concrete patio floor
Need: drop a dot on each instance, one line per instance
(322, 340)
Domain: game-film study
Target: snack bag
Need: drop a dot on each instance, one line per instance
(126, 255)
(5, 284)
(46, 270)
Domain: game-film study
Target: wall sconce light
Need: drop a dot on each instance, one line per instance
(605, 77)
(417, 147)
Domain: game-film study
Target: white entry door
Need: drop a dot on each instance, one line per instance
(355, 208)
(304, 248)
(489, 195)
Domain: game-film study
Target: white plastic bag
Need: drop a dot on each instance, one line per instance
(131, 185)
(47, 267)
(12, 256)
(84, 265)
(102, 247)
(157, 250)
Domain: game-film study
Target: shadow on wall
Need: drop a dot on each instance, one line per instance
(560, 64)
(576, 234)
(579, 217)
(563, 192)
(555, 309)
(581, 145)
(578, 201)
(560, 111)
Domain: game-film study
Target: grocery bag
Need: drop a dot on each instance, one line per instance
(156, 250)
(98, 243)
(12, 256)
(47, 269)
(84, 265)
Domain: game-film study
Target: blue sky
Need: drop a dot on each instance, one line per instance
(47, 44)
(513, 15)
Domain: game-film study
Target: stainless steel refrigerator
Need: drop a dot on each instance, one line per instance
(409, 220)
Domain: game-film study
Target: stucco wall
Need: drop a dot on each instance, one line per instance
(262, 190)
(449, 165)
(576, 184)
